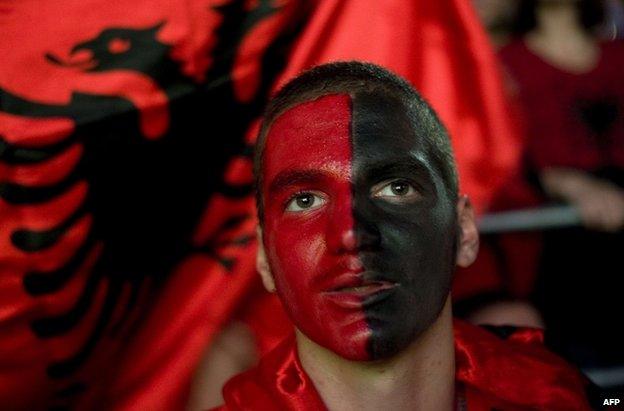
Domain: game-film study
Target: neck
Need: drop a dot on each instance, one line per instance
(559, 19)
(422, 376)
(561, 40)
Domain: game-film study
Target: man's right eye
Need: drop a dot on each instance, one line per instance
(304, 202)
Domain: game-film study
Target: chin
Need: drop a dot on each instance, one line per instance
(383, 347)
(350, 342)
(356, 356)
(390, 337)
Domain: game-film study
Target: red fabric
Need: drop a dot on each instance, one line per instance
(44, 81)
(516, 374)
(557, 105)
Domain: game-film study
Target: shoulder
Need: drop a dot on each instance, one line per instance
(613, 52)
(614, 46)
(523, 69)
(277, 382)
(246, 391)
(514, 53)
(252, 388)
(513, 366)
(514, 47)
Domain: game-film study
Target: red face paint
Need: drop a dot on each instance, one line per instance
(309, 233)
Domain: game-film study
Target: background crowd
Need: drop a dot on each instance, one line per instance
(563, 63)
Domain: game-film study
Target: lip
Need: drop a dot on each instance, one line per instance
(356, 294)
(365, 288)
(341, 281)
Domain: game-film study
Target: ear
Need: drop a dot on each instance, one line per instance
(468, 244)
(263, 266)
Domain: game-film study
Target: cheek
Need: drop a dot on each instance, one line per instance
(421, 248)
(434, 262)
(295, 253)
(428, 230)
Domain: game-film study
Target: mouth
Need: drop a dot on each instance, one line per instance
(354, 292)
(366, 288)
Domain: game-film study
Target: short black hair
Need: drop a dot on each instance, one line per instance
(351, 77)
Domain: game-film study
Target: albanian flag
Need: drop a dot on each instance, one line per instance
(126, 204)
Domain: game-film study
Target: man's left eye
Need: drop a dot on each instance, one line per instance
(395, 191)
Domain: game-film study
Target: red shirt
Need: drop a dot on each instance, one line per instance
(513, 374)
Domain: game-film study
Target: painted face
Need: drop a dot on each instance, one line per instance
(358, 230)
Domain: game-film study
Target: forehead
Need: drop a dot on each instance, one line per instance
(382, 128)
(331, 129)
(314, 134)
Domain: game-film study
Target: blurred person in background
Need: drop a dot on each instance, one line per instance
(571, 88)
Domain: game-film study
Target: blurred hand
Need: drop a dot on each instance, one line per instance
(600, 203)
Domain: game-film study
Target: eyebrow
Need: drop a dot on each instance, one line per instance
(290, 178)
(385, 168)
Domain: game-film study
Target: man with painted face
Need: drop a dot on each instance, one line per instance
(361, 228)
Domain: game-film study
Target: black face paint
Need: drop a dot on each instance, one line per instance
(406, 240)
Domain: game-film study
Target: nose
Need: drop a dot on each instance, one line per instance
(340, 227)
(347, 233)
(347, 240)
(367, 236)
